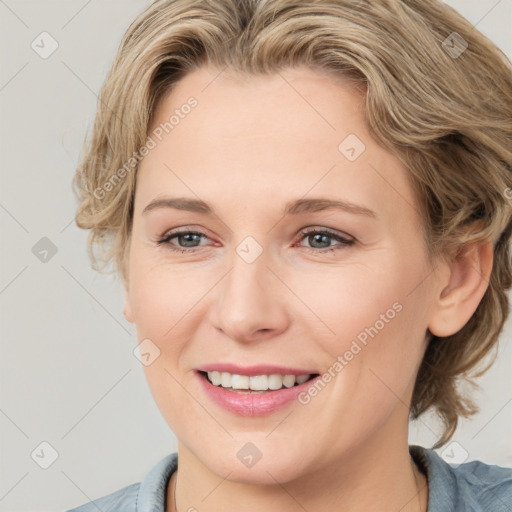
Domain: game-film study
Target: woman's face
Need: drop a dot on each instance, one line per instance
(274, 278)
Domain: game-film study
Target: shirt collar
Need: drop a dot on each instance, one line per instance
(442, 489)
(442, 485)
(152, 495)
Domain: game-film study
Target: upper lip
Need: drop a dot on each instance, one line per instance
(258, 369)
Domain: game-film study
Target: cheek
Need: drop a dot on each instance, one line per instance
(165, 307)
(370, 318)
(347, 300)
(172, 399)
(160, 298)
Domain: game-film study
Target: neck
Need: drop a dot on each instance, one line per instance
(373, 477)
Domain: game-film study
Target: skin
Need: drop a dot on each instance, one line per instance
(251, 145)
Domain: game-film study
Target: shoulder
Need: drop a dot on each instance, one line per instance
(150, 494)
(470, 487)
(485, 486)
(123, 499)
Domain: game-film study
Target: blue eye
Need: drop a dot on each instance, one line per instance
(181, 235)
(317, 236)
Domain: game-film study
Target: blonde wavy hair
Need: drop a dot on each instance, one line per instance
(445, 110)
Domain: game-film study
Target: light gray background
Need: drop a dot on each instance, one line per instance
(68, 374)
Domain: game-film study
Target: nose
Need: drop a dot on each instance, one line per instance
(252, 302)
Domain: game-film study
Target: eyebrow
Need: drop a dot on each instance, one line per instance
(295, 207)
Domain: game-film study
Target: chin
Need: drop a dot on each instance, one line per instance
(274, 465)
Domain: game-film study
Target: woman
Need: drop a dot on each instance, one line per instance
(307, 203)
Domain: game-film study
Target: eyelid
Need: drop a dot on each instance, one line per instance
(164, 239)
(318, 229)
(343, 240)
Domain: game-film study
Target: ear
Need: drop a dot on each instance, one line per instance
(462, 290)
(127, 310)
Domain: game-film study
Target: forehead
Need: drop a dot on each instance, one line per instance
(284, 135)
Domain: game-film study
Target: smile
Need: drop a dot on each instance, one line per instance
(255, 383)
(245, 401)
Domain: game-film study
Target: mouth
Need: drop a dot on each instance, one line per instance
(254, 392)
(254, 384)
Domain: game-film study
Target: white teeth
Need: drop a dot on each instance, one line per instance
(255, 383)
(258, 383)
(239, 381)
(275, 381)
(302, 378)
(225, 381)
(289, 381)
(215, 377)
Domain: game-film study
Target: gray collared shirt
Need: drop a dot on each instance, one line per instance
(469, 487)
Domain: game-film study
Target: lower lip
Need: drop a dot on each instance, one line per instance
(253, 404)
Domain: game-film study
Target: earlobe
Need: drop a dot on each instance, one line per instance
(468, 279)
(127, 310)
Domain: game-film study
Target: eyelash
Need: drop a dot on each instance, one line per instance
(344, 242)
